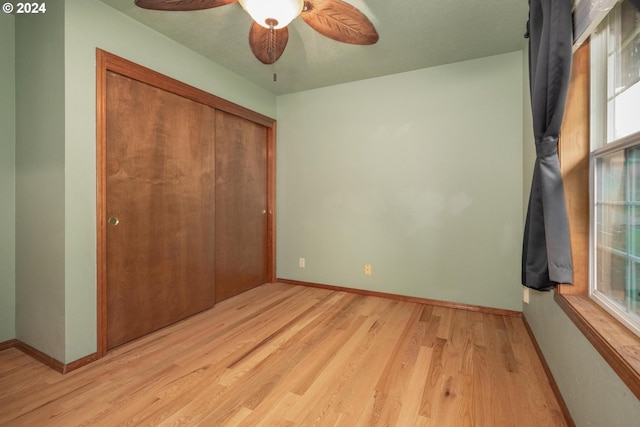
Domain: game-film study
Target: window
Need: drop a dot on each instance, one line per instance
(615, 164)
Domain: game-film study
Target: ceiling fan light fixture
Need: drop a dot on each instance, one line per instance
(273, 13)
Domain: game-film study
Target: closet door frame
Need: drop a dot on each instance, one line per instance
(106, 62)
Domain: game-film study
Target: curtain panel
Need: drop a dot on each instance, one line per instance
(546, 254)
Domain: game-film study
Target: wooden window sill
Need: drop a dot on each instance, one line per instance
(616, 344)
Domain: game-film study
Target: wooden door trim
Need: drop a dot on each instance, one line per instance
(111, 62)
(106, 62)
(271, 202)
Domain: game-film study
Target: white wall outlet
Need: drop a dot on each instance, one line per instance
(525, 295)
(367, 269)
(301, 262)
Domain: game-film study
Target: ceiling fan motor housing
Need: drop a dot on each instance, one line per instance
(274, 14)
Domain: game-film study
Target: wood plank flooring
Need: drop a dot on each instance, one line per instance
(285, 355)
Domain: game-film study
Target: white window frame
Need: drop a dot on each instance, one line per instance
(600, 130)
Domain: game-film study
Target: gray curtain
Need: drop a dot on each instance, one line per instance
(546, 253)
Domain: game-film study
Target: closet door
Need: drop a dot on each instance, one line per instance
(160, 208)
(241, 205)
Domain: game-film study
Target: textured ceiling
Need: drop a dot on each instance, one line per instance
(414, 34)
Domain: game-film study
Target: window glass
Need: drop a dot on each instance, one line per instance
(618, 229)
(623, 65)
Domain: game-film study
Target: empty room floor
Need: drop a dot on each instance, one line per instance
(286, 355)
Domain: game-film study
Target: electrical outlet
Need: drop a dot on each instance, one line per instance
(525, 295)
(367, 269)
(301, 262)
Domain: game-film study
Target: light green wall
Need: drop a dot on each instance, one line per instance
(418, 174)
(593, 392)
(7, 177)
(40, 192)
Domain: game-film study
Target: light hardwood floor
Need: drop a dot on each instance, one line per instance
(285, 355)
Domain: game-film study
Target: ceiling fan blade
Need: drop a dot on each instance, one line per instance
(339, 21)
(181, 5)
(267, 44)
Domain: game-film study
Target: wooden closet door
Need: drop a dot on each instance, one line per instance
(241, 205)
(160, 204)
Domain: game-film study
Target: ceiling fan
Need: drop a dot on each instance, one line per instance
(269, 34)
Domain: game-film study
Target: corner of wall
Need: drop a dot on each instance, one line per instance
(40, 192)
(7, 177)
(408, 207)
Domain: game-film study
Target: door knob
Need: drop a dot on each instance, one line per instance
(114, 220)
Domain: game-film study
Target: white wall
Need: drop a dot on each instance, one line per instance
(418, 174)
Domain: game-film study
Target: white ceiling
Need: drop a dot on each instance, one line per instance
(414, 34)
